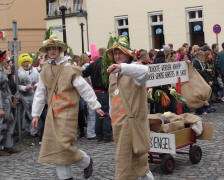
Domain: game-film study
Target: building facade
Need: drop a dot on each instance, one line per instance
(76, 23)
(149, 24)
(31, 25)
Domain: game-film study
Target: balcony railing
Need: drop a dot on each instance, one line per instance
(53, 9)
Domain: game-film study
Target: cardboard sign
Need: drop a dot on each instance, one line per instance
(162, 143)
(167, 73)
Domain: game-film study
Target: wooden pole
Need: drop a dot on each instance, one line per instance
(179, 106)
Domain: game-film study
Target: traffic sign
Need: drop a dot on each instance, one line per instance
(217, 28)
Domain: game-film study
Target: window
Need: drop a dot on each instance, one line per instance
(53, 9)
(200, 14)
(122, 25)
(192, 14)
(154, 18)
(77, 5)
(196, 26)
(161, 18)
(156, 28)
(73, 6)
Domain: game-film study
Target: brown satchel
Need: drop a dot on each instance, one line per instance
(196, 91)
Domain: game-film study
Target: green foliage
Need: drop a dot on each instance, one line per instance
(34, 56)
(121, 40)
(157, 95)
(177, 96)
(48, 33)
(111, 41)
(105, 63)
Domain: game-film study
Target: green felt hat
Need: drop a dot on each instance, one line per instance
(121, 43)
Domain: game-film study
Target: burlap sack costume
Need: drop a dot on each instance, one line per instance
(196, 91)
(58, 143)
(130, 127)
(129, 120)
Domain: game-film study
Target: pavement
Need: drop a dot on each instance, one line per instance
(24, 166)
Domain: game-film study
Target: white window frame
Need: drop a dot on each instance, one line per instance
(188, 20)
(77, 6)
(156, 13)
(196, 9)
(125, 26)
(52, 7)
(150, 14)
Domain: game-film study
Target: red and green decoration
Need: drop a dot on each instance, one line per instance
(107, 61)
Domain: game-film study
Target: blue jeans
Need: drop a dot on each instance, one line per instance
(103, 124)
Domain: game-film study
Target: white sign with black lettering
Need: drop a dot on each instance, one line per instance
(167, 73)
(162, 143)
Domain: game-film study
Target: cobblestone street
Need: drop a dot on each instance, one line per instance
(24, 166)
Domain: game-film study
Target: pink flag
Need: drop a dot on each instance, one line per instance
(94, 52)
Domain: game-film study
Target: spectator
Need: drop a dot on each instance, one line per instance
(7, 122)
(85, 110)
(151, 58)
(28, 79)
(9, 68)
(220, 62)
(102, 51)
(160, 57)
(194, 51)
(42, 60)
(169, 53)
(41, 57)
(181, 54)
(103, 124)
(200, 66)
(171, 46)
(212, 77)
(215, 50)
(143, 57)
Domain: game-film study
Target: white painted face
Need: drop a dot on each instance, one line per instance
(120, 57)
(53, 52)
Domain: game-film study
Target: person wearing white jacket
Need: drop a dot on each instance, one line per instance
(61, 85)
(129, 110)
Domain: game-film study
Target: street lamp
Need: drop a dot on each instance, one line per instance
(63, 9)
(82, 36)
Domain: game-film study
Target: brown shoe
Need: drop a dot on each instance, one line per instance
(11, 150)
(4, 153)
